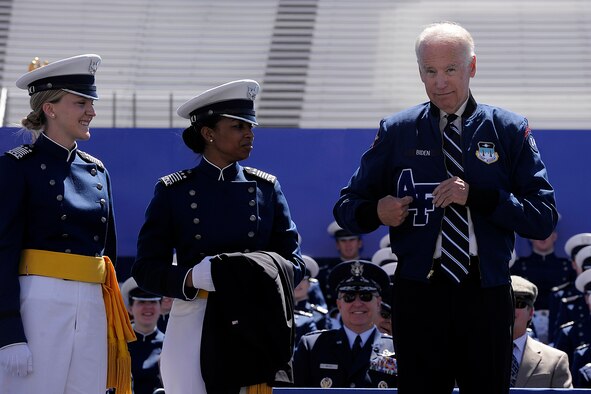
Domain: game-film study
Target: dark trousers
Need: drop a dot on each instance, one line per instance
(447, 334)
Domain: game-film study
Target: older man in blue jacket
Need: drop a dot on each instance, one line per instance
(454, 180)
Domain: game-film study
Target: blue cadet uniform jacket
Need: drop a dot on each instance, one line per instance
(509, 189)
(52, 199)
(145, 358)
(324, 359)
(572, 335)
(581, 366)
(546, 272)
(205, 211)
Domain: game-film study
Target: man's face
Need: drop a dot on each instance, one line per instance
(445, 69)
(359, 315)
(349, 247)
(523, 315)
(544, 245)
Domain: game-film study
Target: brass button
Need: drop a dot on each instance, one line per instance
(197, 237)
(64, 217)
(59, 197)
(52, 182)
(192, 192)
(43, 166)
(251, 234)
(253, 218)
(196, 220)
(99, 186)
(96, 238)
(68, 251)
(102, 201)
(252, 203)
(251, 189)
(193, 205)
(93, 172)
(103, 219)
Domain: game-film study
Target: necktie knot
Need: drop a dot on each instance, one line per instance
(451, 118)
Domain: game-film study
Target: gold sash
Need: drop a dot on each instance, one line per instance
(94, 270)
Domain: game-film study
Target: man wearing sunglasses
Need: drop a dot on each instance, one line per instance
(535, 364)
(357, 354)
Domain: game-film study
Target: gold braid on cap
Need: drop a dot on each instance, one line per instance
(36, 63)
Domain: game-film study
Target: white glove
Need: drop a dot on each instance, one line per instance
(201, 275)
(17, 359)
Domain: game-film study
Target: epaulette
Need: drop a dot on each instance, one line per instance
(175, 177)
(568, 300)
(20, 152)
(302, 313)
(319, 309)
(261, 174)
(559, 287)
(313, 280)
(317, 332)
(567, 324)
(91, 159)
(584, 346)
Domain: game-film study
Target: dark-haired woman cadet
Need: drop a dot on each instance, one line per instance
(213, 214)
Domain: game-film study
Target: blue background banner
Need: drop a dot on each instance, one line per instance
(312, 166)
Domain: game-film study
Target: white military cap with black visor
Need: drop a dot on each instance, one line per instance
(233, 100)
(130, 291)
(358, 276)
(340, 233)
(74, 75)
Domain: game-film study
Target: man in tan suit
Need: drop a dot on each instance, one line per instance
(536, 365)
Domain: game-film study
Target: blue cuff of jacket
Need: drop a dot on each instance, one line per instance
(366, 216)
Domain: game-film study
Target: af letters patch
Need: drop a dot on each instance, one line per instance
(486, 152)
(422, 194)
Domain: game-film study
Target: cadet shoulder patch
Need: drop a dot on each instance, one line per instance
(261, 174)
(175, 177)
(91, 159)
(20, 152)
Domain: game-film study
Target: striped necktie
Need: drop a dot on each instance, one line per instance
(455, 245)
(514, 369)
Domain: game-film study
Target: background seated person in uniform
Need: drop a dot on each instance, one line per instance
(535, 364)
(349, 247)
(578, 332)
(145, 310)
(357, 354)
(308, 316)
(546, 270)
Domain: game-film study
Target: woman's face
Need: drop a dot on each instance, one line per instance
(68, 120)
(228, 142)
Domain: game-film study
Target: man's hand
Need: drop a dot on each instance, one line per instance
(452, 190)
(392, 210)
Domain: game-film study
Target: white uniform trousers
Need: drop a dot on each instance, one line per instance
(180, 360)
(66, 329)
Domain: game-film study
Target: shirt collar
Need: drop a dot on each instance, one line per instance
(365, 335)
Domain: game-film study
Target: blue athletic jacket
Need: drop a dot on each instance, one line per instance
(509, 190)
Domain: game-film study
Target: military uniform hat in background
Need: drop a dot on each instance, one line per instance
(312, 267)
(131, 291)
(583, 258)
(358, 276)
(384, 256)
(583, 281)
(340, 233)
(524, 289)
(74, 75)
(233, 100)
(576, 243)
(385, 241)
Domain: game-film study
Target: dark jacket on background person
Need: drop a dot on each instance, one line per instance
(324, 359)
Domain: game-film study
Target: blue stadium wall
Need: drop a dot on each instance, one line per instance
(312, 166)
